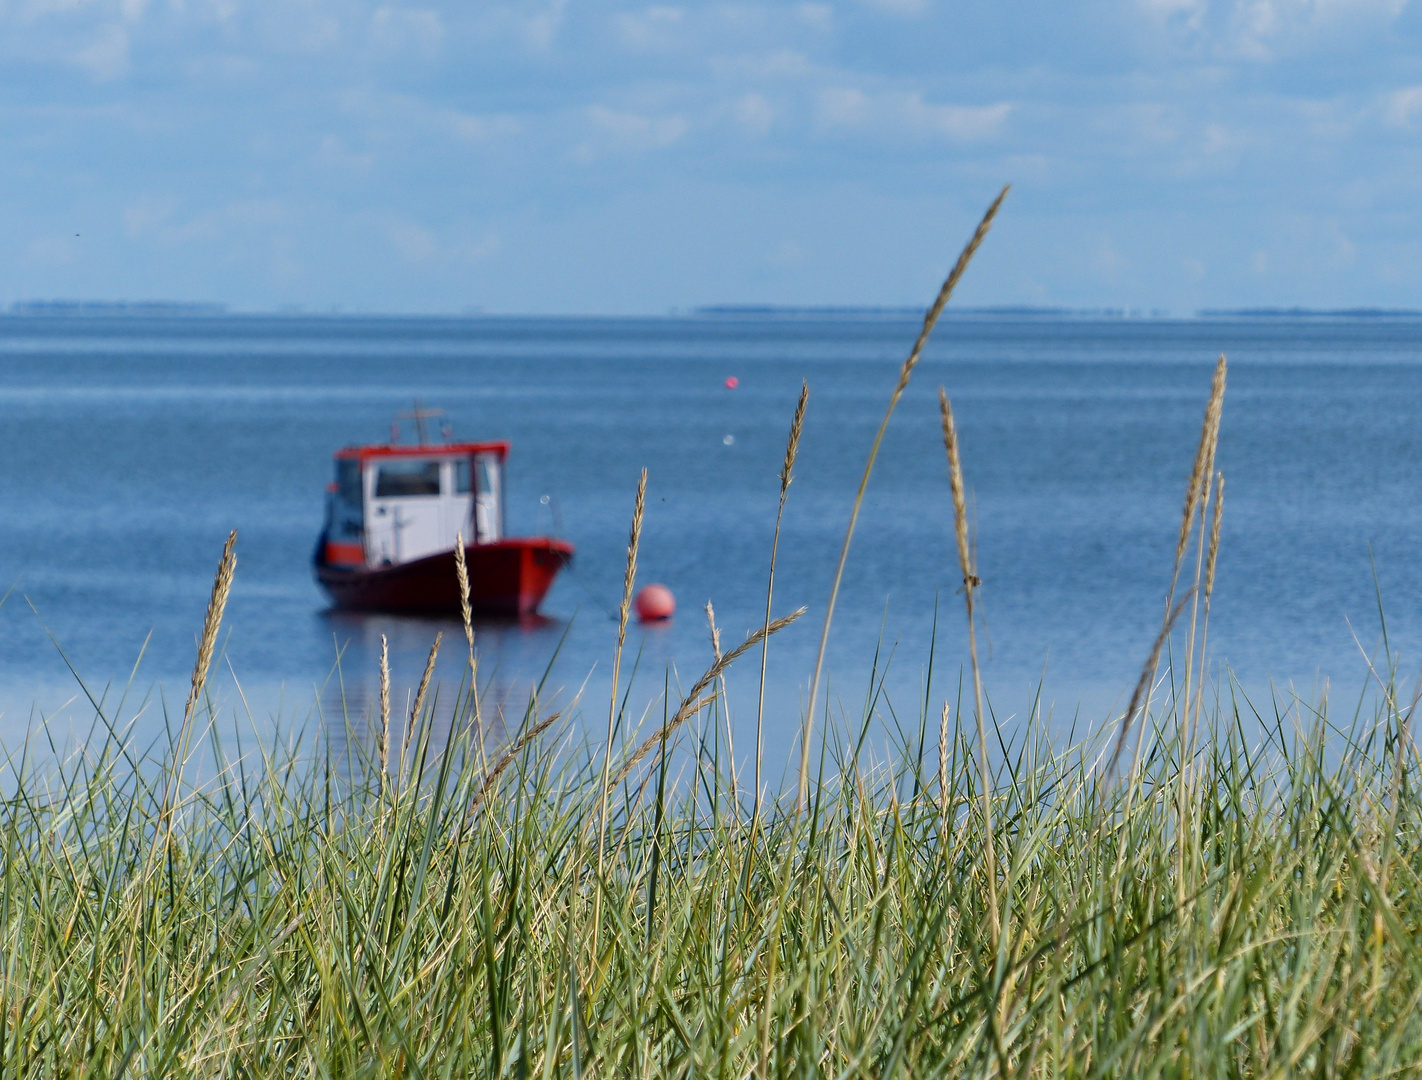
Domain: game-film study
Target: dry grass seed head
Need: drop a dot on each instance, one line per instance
(384, 742)
(634, 540)
(955, 482)
(419, 707)
(792, 445)
(216, 605)
(715, 631)
(943, 759)
(425, 678)
(1214, 535)
(1204, 457)
(491, 777)
(930, 318)
(461, 570)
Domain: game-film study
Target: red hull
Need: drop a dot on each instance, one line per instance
(508, 577)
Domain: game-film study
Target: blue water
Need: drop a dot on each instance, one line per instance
(134, 444)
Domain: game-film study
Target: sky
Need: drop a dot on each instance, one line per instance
(563, 156)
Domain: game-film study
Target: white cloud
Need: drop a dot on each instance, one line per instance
(385, 117)
(787, 253)
(425, 246)
(474, 128)
(631, 131)
(157, 219)
(1261, 30)
(652, 29)
(1108, 259)
(1403, 106)
(1219, 139)
(1191, 12)
(909, 113)
(755, 113)
(899, 7)
(1345, 252)
(414, 244)
(334, 154)
(146, 215)
(1149, 121)
(534, 24)
(51, 250)
(106, 57)
(819, 16)
(541, 28)
(780, 64)
(843, 107)
(486, 248)
(36, 10)
(418, 30)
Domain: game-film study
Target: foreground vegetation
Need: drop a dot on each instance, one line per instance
(1199, 890)
(1254, 915)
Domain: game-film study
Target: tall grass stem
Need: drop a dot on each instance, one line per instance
(787, 476)
(970, 585)
(629, 579)
(930, 320)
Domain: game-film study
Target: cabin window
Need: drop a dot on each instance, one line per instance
(397, 479)
(348, 481)
(488, 507)
(461, 476)
(488, 475)
(345, 514)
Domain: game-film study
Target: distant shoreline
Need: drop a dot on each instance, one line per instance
(184, 309)
(115, 307)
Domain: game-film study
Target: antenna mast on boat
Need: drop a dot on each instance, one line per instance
(419, 414)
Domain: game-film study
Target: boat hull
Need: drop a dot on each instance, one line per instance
(508, 577)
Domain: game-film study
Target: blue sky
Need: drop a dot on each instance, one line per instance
(565, 156)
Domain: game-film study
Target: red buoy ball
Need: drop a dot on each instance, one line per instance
(732, 382)
(654, 603)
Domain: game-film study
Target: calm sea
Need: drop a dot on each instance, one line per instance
(134, 444)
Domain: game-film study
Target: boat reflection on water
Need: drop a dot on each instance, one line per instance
(513, 658)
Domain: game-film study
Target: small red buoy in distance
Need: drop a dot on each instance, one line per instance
(655, 603)
(732, 382)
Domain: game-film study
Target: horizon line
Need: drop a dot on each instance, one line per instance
(214, 309)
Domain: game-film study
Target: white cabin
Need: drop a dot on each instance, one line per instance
(395, 504)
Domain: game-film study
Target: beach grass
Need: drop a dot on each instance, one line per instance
(288, 917)
(1204, 888)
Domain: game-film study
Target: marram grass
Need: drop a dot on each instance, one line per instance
(302, 920)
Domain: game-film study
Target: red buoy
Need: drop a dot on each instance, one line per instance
(732, 382)
(654, 603)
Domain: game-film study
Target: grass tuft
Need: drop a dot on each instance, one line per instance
(298, 922)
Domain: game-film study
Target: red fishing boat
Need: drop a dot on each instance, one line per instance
(393, 515)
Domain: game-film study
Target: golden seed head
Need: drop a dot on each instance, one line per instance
(1204, 457)
(461, 570)
(216, 605)
(955, 482)
(1214, 535)
(930, 319)
(634, 539)
(419, 707)
(715, 633)
(384, 737)
(792, 446)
